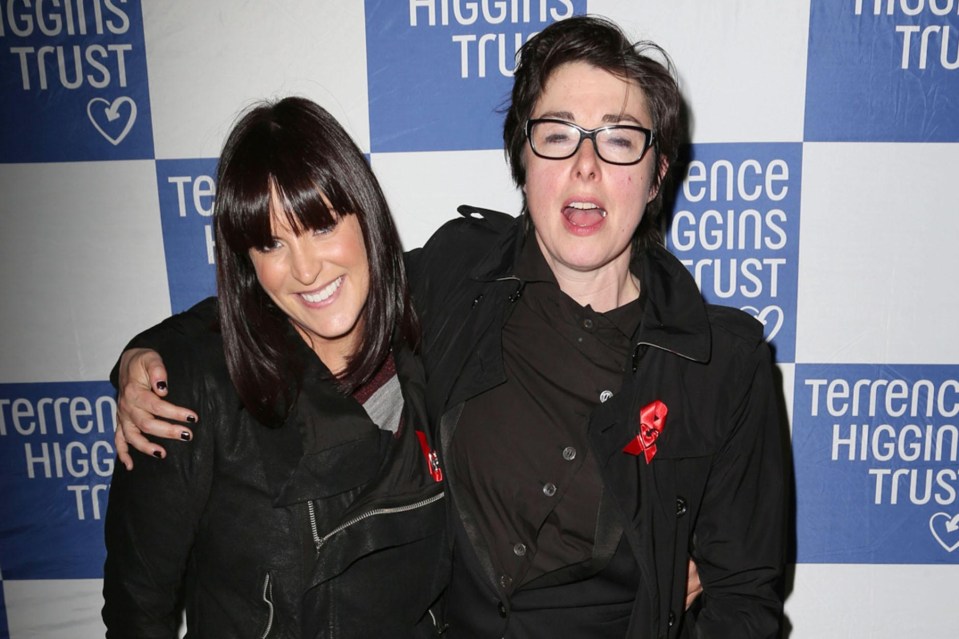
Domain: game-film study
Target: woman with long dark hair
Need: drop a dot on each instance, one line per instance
(307, 488)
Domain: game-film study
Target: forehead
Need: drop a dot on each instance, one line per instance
(585, 93)
(315, 212)
(279, 215)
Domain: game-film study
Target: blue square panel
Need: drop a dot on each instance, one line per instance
(440, 71)
(883, 71)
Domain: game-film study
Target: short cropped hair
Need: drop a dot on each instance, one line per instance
(601, 43)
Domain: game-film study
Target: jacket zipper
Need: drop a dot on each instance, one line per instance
(319, 541)
(268, 598)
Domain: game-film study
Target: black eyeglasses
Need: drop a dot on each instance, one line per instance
(615, 144)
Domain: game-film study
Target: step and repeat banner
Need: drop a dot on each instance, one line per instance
(820, 197)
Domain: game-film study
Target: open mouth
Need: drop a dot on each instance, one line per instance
(583, 215)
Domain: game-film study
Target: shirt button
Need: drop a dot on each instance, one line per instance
(519, 550)
(569, 453)
(502, 610)
(680, 507)
(549, 489)
(588, 324)
(505, 581)
(604, 396)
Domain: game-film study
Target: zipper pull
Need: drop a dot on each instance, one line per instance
(432, 459)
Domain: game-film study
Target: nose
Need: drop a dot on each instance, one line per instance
(586, 161)
(305, 264)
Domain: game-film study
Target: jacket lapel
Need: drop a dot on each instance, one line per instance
(326, 446)
(472, 358)
(674, 314)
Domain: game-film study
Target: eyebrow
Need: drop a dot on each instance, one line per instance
(609, 118)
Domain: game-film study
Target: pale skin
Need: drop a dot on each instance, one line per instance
(320, 280)
(589, 254)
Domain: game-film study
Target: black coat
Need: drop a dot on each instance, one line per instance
(324, 527)
(714, 489)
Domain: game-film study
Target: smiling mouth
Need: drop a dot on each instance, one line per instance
(316, 297)
(583, 214)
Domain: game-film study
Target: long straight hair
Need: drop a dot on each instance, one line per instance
(297, 150)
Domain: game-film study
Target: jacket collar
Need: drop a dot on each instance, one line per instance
(500, 261)
(328, 444)
(674, 317)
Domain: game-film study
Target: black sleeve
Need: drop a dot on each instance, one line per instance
(193, 322)
(153, 513)
(740, 533)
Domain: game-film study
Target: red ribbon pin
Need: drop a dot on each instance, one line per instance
(652, 420)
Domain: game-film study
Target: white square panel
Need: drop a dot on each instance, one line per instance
(81, 267)
(853, 601)
(424, 189)
(54, 609)
(742, 65)
(208, 60)
(877, 254)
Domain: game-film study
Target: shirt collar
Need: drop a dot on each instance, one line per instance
(674, 313)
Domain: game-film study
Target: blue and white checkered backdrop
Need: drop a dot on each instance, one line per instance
(820, 197)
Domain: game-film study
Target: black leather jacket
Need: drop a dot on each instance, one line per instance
(324, 527)
(714, 488)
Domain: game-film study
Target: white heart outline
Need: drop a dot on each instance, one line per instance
(761, 316)
(935, 533)
(113, 106)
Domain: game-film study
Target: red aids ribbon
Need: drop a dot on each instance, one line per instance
(652, 420)
(432, 459)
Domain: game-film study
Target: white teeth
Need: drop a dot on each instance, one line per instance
(325, 293)
(586, 206)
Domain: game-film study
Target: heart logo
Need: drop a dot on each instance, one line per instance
(105, 116)
(945, 528)
(764, 317)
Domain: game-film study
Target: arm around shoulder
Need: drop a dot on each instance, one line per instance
(151, 522)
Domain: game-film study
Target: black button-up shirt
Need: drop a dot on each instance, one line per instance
(521, 449)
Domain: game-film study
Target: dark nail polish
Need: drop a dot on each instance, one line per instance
(158, 454)
(184, 435)
(191, 419)
(161, 385)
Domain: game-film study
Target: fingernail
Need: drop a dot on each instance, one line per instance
(158, 454)
(191, 419)
(185, 435)
(161, 385)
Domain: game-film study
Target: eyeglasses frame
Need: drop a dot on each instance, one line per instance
(591, 135)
